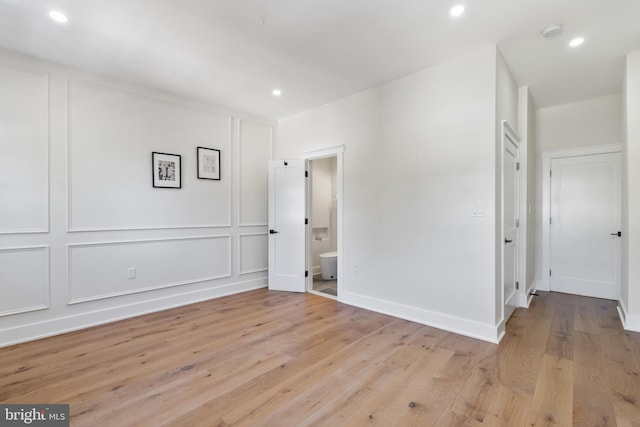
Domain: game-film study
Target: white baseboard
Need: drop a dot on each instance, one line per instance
(629, 322)
(64, 324)
(442, 321)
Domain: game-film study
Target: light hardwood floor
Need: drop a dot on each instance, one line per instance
(284, 359)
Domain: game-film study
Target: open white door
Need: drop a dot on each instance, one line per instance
(287, 225)
(510, 218)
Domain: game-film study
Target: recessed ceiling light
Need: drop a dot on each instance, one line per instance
(276, 92)
(457, 10)
(59, 17)
(576, 42)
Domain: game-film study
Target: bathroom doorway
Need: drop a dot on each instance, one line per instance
(324, 209)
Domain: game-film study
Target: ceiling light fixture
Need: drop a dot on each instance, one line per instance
(276, 92)
(457, 10)
(576, 42)
(59, 17)
(552, 31)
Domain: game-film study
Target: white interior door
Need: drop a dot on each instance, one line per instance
(287, 225)
(510, 226)
(584, 223)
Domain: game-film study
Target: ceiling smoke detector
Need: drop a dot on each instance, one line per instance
(552, 31)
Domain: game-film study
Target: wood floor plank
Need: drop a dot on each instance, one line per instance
(592, 404)
(625, 392)
(552, 402)
(377, 347)
(560, 339)
(373, 386)
(509, 408)
(277, 358)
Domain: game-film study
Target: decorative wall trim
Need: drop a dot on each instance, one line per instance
(70, 227)
(160, 227)
(239, 169)
(323, 152)
(26, 231)
(47, 285)
(70, 247)
(240, 269)
(69, 323)
(47, 181)
(442, 321)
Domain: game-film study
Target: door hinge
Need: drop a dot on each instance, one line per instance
(549, 220)
(550, 173)
(549, 272)
(306, 221)
(306, 273)
(517, 223)
(517, 285)
(518, 166)
(306, 174)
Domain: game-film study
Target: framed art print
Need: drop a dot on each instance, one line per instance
(167, 170)
(208, 163)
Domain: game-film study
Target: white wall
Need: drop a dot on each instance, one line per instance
(419, 151)
(586, 123)
(77, 207)
(630, 300)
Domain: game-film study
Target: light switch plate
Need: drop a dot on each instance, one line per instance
(477, 210)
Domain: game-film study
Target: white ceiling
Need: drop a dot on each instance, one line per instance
(317, 51)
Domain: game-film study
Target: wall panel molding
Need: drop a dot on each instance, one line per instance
(258, 160)
(25, 103)
(151, 272)
(136, 142)
(257, 267)
(32, 273)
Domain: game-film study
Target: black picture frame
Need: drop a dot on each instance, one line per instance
(208, 163)
(167, 170)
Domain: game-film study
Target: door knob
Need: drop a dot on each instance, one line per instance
(273, 232)
(507, 241)
(619, 234)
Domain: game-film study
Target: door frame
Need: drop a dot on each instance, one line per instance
(510, 133)
(547, 157)
(337, 152)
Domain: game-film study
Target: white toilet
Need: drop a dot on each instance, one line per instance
(329, 265)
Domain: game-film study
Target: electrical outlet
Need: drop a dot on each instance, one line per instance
(131, 273)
